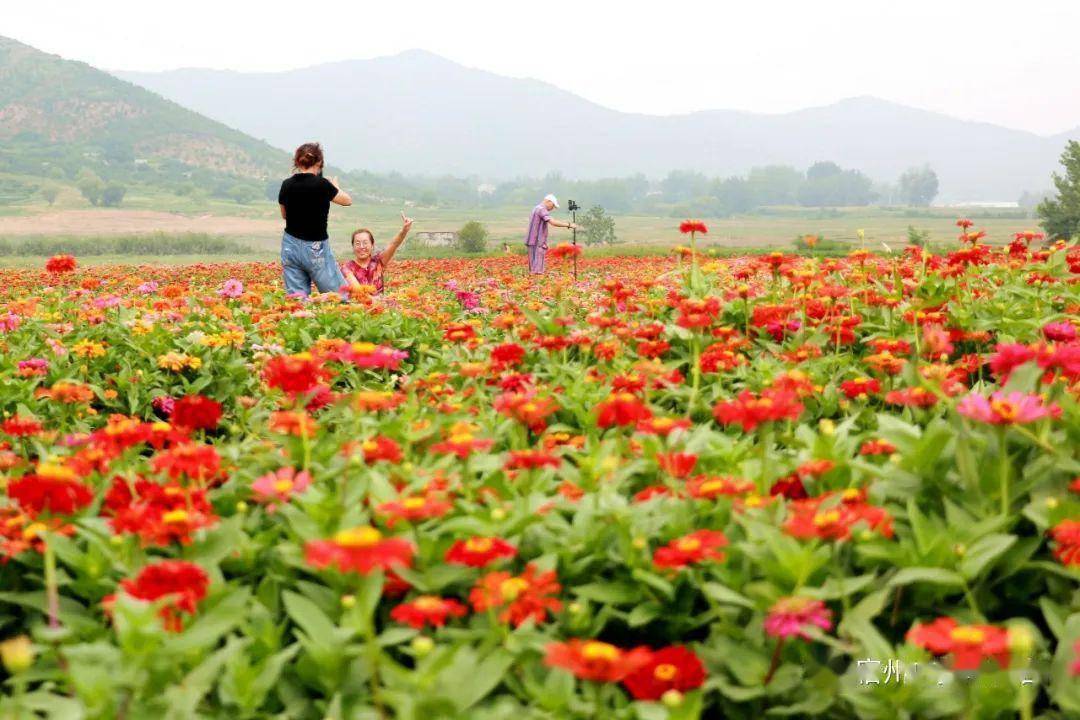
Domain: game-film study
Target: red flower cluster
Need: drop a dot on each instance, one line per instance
(646, 673)
(749, 410)
(158, 514)
(52, 489)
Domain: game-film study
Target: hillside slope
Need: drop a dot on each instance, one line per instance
(59, 117)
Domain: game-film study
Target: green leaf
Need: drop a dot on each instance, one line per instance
(723, 594)
(613, 593)
(182, 699)
(984, 552)
(309, 617)
(643, 614)
(479, 679)
(936, 576)
(211, 625)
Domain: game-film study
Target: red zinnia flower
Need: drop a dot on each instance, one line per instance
(18, 426)
(381, 448)
(158, 514)
(877, 447)
(526, 407)
(196, 461)
(912, 397)
(595, 660)
(621, 409)
(710, 487)
(531, 460)
(427, 610)
(662, 426)
(294, 374)
(359, 550)
(60, 264)
(808, 519)
(676, 464)
(861, 388)
(182, 584)
(479, 551)
(529, 595)
(413, 508)
(1066, 535)
(969, 645)
(693, 226)
(52, 489)
(749, 410)
(507, 355)
(196, 412)
(698, 546)
(671, 668)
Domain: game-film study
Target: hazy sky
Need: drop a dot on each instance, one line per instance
(1010, 63)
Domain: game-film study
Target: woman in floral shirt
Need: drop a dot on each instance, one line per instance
(367, 266)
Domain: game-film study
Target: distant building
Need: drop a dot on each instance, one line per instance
(437, 237)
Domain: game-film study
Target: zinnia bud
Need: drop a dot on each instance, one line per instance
(672, 698)
(422, 645)
(17, 654)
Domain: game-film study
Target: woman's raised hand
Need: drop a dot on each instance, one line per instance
(406, 222)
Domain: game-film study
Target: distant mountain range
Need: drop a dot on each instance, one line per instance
(58, 117)
(416, 112)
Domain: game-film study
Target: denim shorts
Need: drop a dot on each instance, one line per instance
(304, 262)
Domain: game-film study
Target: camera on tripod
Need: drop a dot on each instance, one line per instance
(572, 206)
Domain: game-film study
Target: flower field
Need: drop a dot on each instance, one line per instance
(764, 486)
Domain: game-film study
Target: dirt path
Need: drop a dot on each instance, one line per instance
(131, 222)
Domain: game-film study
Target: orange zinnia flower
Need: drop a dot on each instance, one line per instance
(518, 598)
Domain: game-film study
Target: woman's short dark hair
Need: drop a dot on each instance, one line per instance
(308, 155)
(363, 230)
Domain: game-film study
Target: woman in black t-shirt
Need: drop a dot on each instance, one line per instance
(305, 205)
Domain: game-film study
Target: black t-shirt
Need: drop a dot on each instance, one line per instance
(306, 198)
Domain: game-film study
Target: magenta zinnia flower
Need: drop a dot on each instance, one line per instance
(232, 288)
(793, 615)
(280, 485)
(1059, 331)
(1006, 408)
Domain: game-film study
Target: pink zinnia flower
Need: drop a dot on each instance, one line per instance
(280, 485)
(1006, 408)
(791, 616)
(1059, 331)
(1074, 668)
(232, 288)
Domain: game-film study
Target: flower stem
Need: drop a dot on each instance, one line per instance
(1003, 472)
(695, 374)
(775, 663)
(52, 592)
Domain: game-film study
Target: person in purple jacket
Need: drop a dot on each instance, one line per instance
(536, 237)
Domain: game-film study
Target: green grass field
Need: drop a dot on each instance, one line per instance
(256, 226)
